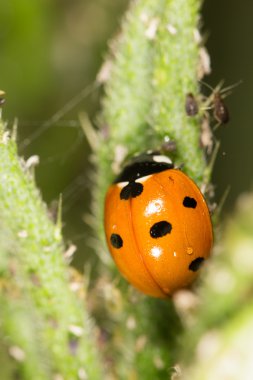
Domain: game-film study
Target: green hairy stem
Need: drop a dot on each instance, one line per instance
(40, 314)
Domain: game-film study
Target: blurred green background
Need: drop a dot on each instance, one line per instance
(50, 52)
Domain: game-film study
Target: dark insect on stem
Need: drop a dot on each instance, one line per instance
(220, 110)
(191, 105)
(216, 102)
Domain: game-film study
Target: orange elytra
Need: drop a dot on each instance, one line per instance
(157, 225)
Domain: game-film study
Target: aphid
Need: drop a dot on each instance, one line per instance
(216, 102)
(191, 105)
(220, 110)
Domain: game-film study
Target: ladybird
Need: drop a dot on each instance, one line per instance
(157, 226)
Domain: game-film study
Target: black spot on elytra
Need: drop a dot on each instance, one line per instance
(116, 241)
(131, 190)
(160, 229)
(195, 264)
(189, 202)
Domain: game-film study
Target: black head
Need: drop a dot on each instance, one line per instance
(143, 165)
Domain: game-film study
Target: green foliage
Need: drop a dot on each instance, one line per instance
(176, 61)
(225, 352)
(223, 319)
(47, 313)
(26, 28)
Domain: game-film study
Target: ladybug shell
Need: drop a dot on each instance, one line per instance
(160, 235)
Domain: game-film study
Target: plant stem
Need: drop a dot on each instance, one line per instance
(45, 301)
(223, 319)
(154, 66)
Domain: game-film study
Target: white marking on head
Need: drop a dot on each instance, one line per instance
(143, 179)
(122, 184)
(160, 158)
